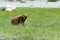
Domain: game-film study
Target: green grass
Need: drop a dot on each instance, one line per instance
(41, 24)
(52, 0)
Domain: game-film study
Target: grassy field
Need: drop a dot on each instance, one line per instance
(41, 24)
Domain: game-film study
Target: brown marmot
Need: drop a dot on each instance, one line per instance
(19, 19)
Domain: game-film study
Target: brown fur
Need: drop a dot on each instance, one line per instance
(20, 19)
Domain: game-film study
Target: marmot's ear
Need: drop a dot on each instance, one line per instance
(25, 14)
